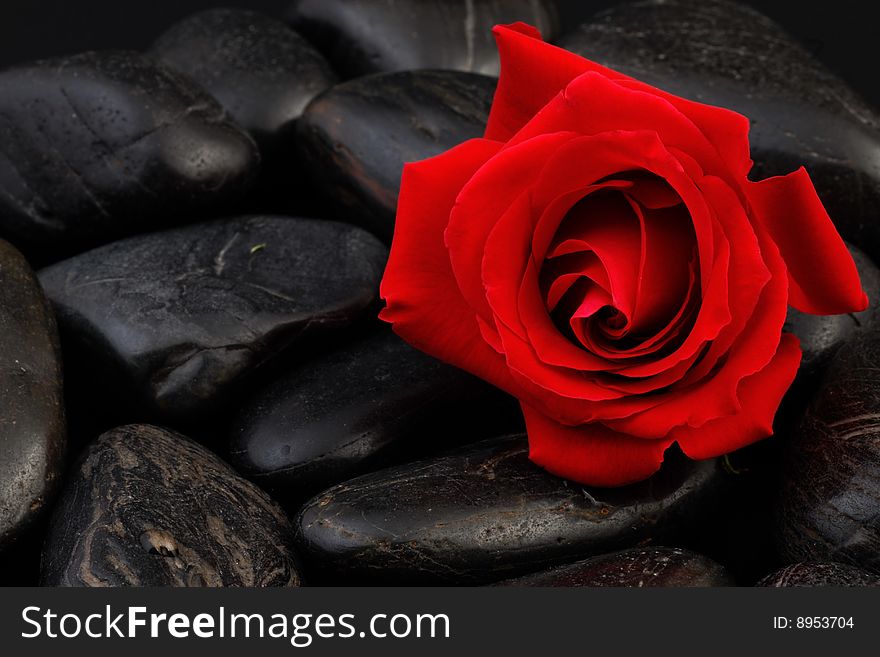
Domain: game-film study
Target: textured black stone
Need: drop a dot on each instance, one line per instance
(831, 480)
(149, 507)
(32, 432)
(822, 335)
(728, 54)
(176, 321)
(486, 513)
(105, 144)
(352, 410)
(369, 36)
(820, 574)
(638, 567)
(358, 135)
(261, 71)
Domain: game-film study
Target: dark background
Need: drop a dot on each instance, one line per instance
(844, 34)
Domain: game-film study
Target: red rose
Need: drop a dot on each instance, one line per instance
(601, 255)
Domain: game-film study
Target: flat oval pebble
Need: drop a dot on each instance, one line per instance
(32, 432)
(820, 574)
(830, 485)
(354, 409)
(368, 36)
(176, 321)
(486, 513)
(261, 71)
(725, 53)
(104, 144)
(149, 507)
(638, 567)
(358, 135)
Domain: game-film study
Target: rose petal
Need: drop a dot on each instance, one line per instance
(591, 454)
(823, 276)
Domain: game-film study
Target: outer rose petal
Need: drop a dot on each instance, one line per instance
(760, 395)
(823, 277)
(425, 305)
(591, 453)
(533, 72)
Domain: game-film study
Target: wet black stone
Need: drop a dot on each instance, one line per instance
(175, 322)
(32, 432)
(369, 36)
(358, 135)
(638, 567)
(730, 55)
(261, 71)
(820, 574)
(104, 144)
(356, 409)
(830, 489)
(822, 335)
(486, 513)
(149, 507)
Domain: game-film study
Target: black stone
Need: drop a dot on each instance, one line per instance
(730, 55)
(149, 507)
(176, 321)
(486, 513)
(638, 567)
(32, 432)
(356, 409)
(820, 574)
(358, 135)
(831, 481)
(822, 335)
(369, 36)
(105, 144)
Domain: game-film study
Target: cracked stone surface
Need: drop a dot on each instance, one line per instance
(486, 513)
(175, 322)
(355, 409)
(358, 135)
(104, 144)
(830, 485)
(148, 507)
(728, 54)
(32, 431)
(639, 567)
(820, 574)
(368, 36)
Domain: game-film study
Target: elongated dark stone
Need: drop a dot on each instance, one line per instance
(358, 135)
(728, 54)
(486, 513)
(175, 323)
(149, 507)
(830, 489)
(368, 36)
(820, 574)
(104, 144)
(638, 567)
(32, 431)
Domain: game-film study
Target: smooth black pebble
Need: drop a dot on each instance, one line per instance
(32, 431)
(369, 36)
(104, 144)
(174, 322)
(355, 409)
(148, 507)
(357, 136)
(486, 513)
(820, 574)
(728, 54)
(638, 567)
(830, 484)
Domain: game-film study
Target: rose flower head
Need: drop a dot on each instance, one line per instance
(601, 255)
